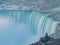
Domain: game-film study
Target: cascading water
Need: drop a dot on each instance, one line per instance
(26, 27)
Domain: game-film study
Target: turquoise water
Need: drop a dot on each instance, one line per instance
(24, 27)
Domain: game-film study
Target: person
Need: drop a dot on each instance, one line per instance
(45, 39)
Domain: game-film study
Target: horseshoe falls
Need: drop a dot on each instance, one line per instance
(24, 27)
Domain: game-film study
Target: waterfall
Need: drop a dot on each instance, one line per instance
(39, 22)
